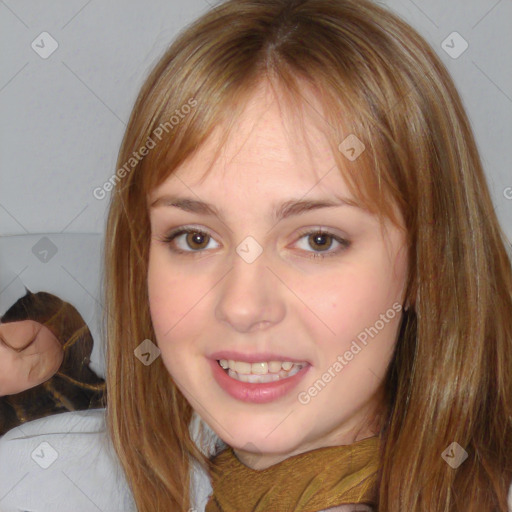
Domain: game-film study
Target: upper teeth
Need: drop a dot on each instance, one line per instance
(258, 368)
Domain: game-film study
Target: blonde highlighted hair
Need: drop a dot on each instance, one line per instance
(375, 77)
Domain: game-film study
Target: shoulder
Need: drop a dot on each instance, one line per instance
(62, 462)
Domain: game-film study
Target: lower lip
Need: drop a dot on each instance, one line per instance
(254, 392)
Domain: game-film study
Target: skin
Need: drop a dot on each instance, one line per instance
(30, 354)
(285, 301)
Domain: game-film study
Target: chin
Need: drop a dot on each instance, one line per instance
(259, 437)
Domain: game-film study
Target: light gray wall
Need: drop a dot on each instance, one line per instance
(63, 118)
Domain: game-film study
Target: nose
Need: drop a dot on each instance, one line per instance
(250, 297)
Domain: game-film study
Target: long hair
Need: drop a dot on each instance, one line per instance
(376, 78)
(75, 386)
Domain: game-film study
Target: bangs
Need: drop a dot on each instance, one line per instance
(354, 139)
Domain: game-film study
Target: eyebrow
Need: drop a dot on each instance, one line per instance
(280, 212)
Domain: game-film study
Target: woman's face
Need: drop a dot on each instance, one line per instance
(30, 354)
(254, 292)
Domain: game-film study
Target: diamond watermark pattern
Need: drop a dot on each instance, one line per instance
(253, 455)
(147, 352)
(454, 45)
(44, 45)
(44, 250)
(454, 455)
(351, 147)
(44, 455)
(249, 249)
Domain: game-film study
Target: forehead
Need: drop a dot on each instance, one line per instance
(269, 146)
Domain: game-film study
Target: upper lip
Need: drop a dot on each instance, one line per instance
(254, 358)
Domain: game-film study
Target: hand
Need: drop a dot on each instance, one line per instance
(30, 354)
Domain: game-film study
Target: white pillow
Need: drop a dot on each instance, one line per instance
(62, 463)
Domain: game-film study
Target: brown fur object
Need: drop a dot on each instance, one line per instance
(75, 386)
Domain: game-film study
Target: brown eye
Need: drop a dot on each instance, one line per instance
(320, 241)
(194, 240)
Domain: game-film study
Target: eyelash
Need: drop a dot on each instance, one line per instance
(169, 238)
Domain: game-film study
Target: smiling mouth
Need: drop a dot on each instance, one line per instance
(262, 372)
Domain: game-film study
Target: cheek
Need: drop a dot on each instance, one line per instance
(164, 289)
(361, 303)
(355, 298)
(163, 286)
(175, 304)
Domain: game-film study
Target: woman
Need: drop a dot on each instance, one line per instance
(398, 351)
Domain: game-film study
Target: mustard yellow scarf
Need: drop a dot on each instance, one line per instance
(307, 482)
